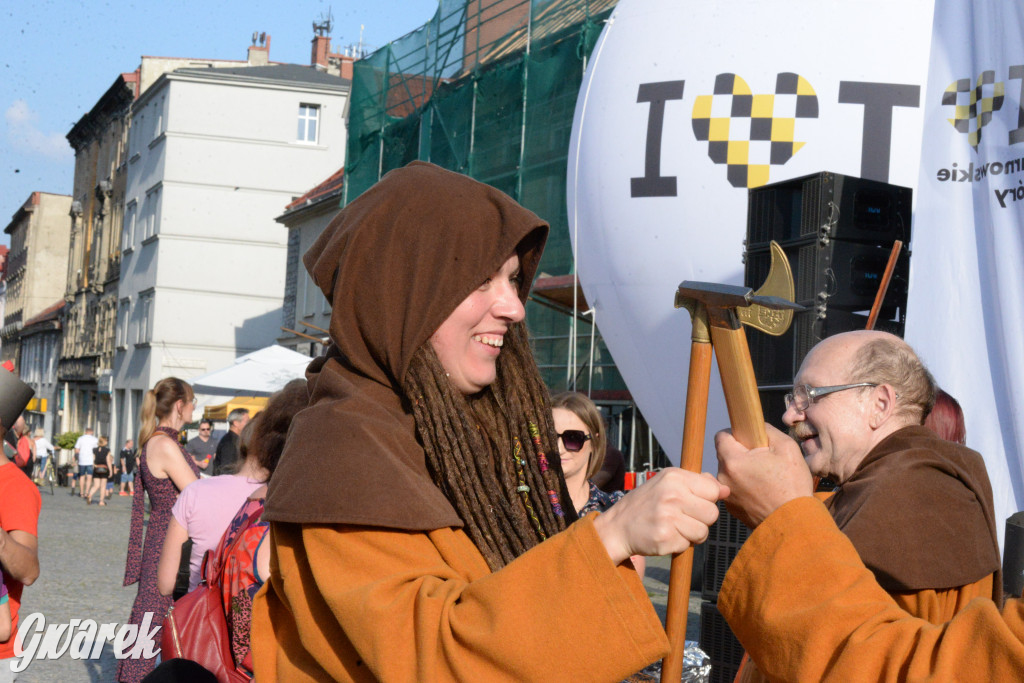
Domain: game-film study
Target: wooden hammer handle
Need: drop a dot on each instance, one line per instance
(691, 459)
(739, 386)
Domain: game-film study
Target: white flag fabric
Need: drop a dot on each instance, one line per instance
(964, 312)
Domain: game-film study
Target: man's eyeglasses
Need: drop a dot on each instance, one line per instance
(204, 429)
(803, 395)
(574, 439)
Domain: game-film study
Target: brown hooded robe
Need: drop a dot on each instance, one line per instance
(372, 576)
(919, 511)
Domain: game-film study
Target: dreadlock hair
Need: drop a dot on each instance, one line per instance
(493, 454)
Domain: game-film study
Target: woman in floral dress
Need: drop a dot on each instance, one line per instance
(164, 470)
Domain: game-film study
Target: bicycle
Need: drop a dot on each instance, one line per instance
(49, 475)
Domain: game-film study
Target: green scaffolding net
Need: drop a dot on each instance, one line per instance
(488, 88)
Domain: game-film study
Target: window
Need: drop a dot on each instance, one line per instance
(122, 322)
(159, 128)
(152, 209)
(144, 331)
(309, 116)
(308, 305)
(128, 229)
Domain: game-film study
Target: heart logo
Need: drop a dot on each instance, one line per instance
(974, 104)
(751, 133)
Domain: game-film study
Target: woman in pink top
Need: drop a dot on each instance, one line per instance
(203, 511)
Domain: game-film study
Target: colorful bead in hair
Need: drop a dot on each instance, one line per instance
(524, 490)
(543, 460)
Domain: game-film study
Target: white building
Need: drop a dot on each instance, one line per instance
(214, 155)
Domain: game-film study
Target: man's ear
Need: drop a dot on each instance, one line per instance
(883, 404)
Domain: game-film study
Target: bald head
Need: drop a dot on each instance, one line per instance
(875, 385)
(882, 358)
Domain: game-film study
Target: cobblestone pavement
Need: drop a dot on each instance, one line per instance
(82, 550)
(81, 555)
(656, 583)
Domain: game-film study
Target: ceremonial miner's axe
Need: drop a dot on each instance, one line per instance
(718, 313)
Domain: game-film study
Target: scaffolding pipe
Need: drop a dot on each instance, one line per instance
(618, 437)
(632, 440)
(650, 448)
(593, 326)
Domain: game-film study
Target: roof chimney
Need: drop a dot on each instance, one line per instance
(321, 47)
(259, 55)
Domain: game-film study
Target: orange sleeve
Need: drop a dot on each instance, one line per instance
(375, 604)
(806, 609)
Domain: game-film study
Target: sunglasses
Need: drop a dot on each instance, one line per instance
(574, 439)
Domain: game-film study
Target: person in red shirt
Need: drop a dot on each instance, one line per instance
(19, 517)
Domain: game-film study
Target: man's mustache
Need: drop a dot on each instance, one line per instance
(801, 432)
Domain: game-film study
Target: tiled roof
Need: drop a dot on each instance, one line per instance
(49, 314)
(330, 186)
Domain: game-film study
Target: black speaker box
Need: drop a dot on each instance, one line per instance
(837, 233)
(720, 644)
(837, 274)
(828, 206)
(725, 537)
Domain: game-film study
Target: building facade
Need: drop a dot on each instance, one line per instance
(89, 321)
(213, 156)
(99, 139)
(36, 264)
(40, 347)
(306, 312)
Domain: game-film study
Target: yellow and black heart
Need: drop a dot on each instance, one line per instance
(750, 133)
(974, 104)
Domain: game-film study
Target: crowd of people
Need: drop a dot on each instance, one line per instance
(421, 508)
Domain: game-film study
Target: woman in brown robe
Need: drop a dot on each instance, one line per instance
(419, 522)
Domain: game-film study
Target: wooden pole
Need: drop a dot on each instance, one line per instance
(739, 385)
(883, 286)
(690, 460)
(314, 327)
(304, 336)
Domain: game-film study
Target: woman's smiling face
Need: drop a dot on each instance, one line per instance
(469, 341)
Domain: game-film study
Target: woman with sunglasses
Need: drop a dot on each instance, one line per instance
(581, 447)
(419, 524)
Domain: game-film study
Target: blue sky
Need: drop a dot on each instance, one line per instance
(57, 57)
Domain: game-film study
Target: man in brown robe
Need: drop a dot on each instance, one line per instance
(806, 608)
(906, 497)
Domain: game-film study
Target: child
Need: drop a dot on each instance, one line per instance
(5, 613)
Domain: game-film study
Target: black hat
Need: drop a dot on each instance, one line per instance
(14, 396)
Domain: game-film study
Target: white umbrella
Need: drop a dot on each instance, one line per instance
(259, 373)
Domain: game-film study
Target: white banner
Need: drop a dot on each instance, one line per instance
(967, 270)
(685, 106)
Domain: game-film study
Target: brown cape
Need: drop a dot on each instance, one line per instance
(394, 264)
(919, 511)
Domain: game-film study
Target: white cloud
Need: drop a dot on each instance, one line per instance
(24, 135)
